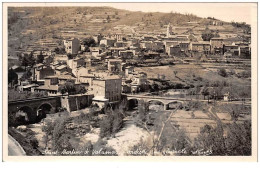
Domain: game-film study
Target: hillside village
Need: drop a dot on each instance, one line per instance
(200, 59)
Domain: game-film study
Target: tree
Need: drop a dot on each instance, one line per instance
(211, 139)
(222, 72)
(236, 142)
(12, 77)
(154, 87)
(26, 75)
(40, 58)
(70, 56)
(197, 90)
(207, 34)
(112, 123)
(234, 111)
(205, 91)
(243, 93)
(105, 127)
(108, 18)
(57, 133)
(89, 42)
(31, 60)
(245, 74)
(57, 50)
(143, 108)
(80, 89)
(63, 142)
(16, 119)
(175, 73)
(47, 128)
(27, 60)
(62, 50)
(117, 121)
(68, 87)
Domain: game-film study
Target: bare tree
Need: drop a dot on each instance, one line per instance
(175, 73)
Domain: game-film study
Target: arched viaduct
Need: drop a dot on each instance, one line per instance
(166, 101)
(35, 107)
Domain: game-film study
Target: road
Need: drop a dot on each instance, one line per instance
(14, 148)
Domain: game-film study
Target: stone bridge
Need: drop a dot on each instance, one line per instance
(35, 107)
(166, 101)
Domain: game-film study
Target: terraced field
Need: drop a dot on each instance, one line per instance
(193, 121)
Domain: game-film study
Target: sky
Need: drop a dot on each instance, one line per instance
(238, 12)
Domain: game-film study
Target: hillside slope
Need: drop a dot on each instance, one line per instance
(29, 25)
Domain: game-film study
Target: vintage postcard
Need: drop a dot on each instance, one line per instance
(160, 81)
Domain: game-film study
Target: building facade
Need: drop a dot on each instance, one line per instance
(72, 46)
(107, 90)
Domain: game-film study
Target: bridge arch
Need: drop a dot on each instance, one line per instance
(132, 103)
(24, 114)
(43, 109)
(174, 104)
(156, 102)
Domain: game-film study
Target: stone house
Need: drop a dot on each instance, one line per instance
(40, 71)
(95, 51)
(174, 50)
(203, 47)
(127, 54)
(139, 82)
(217, 45)
(72, 46)
(108, 42)
(244, 52)
(233, 49)
(77, 62)
(51, 85)
(114, 65)
(107, 90)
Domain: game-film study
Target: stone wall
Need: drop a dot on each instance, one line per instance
(76, 102)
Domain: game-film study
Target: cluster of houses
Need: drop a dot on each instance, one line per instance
(185, 44)
(105, 85)
(80, 63)
(128, 46)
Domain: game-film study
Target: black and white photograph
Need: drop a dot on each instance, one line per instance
(130, 79)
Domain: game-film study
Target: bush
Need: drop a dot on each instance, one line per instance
(111, 124)
(57, 133)
(28, 142)
(222, 72)
(192, 105)
(245, 74)
(237, 142)
(105, 127)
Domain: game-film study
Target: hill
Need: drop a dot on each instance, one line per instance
(30, 25)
